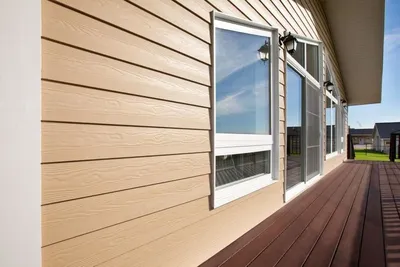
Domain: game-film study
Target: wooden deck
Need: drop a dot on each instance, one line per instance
(349, 218)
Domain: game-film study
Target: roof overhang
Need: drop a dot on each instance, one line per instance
(357, 28)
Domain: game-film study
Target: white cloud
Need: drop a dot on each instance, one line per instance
(392, 41)
(233, 55)
(231, 104)
(242, 100)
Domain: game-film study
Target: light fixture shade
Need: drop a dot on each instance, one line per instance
(329, 86)
(290, 43)
(263, 52)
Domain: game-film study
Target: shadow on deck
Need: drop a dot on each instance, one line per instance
(349, 218)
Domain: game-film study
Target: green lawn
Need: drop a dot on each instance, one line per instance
(372, 155)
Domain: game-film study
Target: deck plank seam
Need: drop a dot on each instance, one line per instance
(337, 205)
(333, 193)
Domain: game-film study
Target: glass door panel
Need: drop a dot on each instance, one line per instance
(294, 109)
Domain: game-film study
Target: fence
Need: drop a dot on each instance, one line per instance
(370, 147)
(293, 145)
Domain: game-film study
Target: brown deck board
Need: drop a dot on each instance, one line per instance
(238, 244)
(372, 248)
(252, 250)
(347, 252)
(349, 218)
(324, 250)
(391, 219)
(304, 232)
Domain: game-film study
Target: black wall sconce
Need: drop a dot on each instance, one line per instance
(329, 86)
(263, 52)
(289, 41)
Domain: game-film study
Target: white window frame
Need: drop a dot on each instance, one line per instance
(339, 122)
(336, 101)
(299, 188)
(225, 144)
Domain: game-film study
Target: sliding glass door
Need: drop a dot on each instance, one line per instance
(294, 151)
(303, 117)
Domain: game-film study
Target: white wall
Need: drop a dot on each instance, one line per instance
(20, 236)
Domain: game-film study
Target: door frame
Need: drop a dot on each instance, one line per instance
(290, 61)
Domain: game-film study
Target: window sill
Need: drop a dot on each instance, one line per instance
(300, 188)
(331, 155)
(229, 193)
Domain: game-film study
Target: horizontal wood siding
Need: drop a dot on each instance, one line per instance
(126, 129)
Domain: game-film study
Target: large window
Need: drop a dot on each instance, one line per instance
(331, 129)
(335, 119)
(243, 101)
(307, 55)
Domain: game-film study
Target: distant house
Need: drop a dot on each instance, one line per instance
(381, 135)
(361, 137)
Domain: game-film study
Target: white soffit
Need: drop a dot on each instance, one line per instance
(357, 28)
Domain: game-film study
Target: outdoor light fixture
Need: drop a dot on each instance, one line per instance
(329, 86)
(263, 52)
(289, 41)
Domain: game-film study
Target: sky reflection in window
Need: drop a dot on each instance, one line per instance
(242, 84)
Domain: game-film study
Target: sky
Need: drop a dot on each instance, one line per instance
(241, 96)
(388, 110)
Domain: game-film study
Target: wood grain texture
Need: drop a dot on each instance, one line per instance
(325, 248)
(266, 14)
(347, 251)
(97, 247)
(65, 220)
(248, 11)
(180, 17)
(282, 103)
(144, 24)
(181, 248)
(70, 142)
(226, 7)
(69, 65)
(372, 251)
(78, 104)
(65, 181)
(293, 22)
(64, 25)
(303, 16)
(200, 8)
(289, 226)
(293, 10)
(152, 52)
(269, 5)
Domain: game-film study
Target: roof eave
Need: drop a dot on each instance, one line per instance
(357, 30)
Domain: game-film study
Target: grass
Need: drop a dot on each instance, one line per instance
(372, 155)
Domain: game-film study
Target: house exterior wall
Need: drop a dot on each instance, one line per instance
(126, 129)
(362, 139)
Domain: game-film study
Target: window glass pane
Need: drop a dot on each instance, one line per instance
(312, 61)
(242, 84)
(294, 109)
(233, 168)
(328, 125)
(299, 53)
(333, 123)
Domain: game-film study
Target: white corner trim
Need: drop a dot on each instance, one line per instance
(229, 193)
(20, 135)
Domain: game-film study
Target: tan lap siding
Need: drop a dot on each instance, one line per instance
(126, 130)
